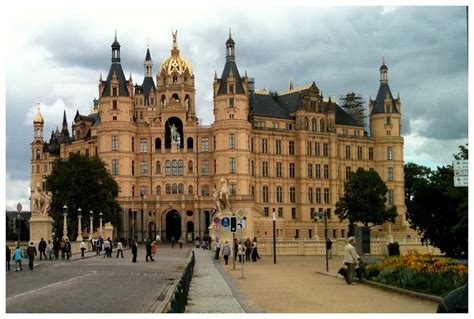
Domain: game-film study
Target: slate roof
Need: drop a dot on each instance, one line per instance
(147, 85)
(379, 100)
(238, 88)
(264, 105)
(122, 82)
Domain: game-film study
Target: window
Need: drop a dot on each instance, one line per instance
(359, 152)
(276, 125)
(266, 211)
(348, 152)
(310, 195)
(309, 148)
(390, 173)
(321, 126)
(292, 195)
(133, 145)
(252, 168)
(232, 140)
(317, 150)
(292, 170)
(205, 144)
(115, 167)
(252, 191)
(388, 120)
(371, 153)
(326, 196)
(133, 190)
(143, 145)
(158, 167)
(115, 145)
(174, 168)
(325, 150)
(313, 125)
(251, 145)
(264, 145)
(143, 168)
(190, 189)
(278, 169)
(318, 195)
(310, 170)
(291, 147)
(114, 91)
(280, 212)
(168, 189)
(180, 168)
(205, 190)
(326, 171)
(158, 190)
(318, 171)
(391, 197)
(231, 89)
(205, 168)
(265, 194)
(114, 118)
(348, 173)
(278, 146)
(180, 189)
(293, 212)
(190, 166)
(114, 104)
(38, 154)
(231, 102)
(143, 190)
(389, 153)
(279, 194)
(168, 168)
(232, 165)
(265, 169)
(133, 168)
(215, 167)
(233, 190)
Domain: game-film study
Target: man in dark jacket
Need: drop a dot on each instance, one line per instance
(9, 256)
(148, 250)
(134, 251)
(42, 249)
(31, 252)
(67, 248)
(456, 301)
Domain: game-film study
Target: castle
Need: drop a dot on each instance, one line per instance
(284, 152)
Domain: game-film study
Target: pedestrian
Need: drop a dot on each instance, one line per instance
(111, 246)
(83, 248)
(226, 252)
(154, 245)
(42, 249)
(148, 250)
(254, 253)
(350, 259)
(329, 247)
(57, 247)
(217, 249)
(67, 248)
(172, 241)
(158, 239)
(62, 245)
(134, 251)
(106, 248)
(9, 256)
(18, 256)
(119, 249)
(31, 253)
(93, 242)
(50, 250)
(100, 244)
(236, 246)
(248, 249)
(240, 251)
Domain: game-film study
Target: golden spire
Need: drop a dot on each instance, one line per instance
(38, 119)
(175, 49)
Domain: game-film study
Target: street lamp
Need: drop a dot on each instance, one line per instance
(100, 223)
(65, 222)
(91, 225)
(274, 237)
(324, 214)
(79, 226)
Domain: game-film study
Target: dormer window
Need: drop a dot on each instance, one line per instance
(231, 102)
(114, 104)
(114, 92)
(231, 89)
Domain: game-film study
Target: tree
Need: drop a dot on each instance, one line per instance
(82, 182)
(353, 104)
(438, 210)
(364, 200)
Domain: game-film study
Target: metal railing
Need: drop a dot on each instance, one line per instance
(180, 300)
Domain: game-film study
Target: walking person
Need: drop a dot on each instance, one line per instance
(329, 248)
(350, 259)
(148, 250)
(61, 246)
(9, 256)
(31, 253)
(154, 246)
(111, 246)
(134, 251)
(255, 254)
(57, 247)
(226, 252)
(119, 249)
(51, 252)
(172, 241)
(93, 243)
(106, 248)
(67, 248)
(240, 251)
(83, 248)
(18, 256)
(248, 249)
(217, 249)
(42, 249)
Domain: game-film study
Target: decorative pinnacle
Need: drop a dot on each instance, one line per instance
(383, 60)
(115, 35)
(230, 33)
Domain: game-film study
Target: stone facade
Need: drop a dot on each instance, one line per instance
(285, 151)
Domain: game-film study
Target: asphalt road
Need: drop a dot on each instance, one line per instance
(95, 284)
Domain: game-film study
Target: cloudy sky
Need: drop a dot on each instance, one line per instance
(55, 54)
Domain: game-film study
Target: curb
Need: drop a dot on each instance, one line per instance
(393, 289)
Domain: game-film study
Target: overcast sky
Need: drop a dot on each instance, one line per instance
(55, 55)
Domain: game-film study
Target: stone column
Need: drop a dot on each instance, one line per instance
(91, 224)
(65, 225)
(100, 224)
(79, 228)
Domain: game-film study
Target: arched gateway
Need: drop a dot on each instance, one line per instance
(173, 224)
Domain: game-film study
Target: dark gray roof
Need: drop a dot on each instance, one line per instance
(147, 85)
(148, 55)
(117, 69)
(230, 66)
(265, 105)
(384, 89)
(290, 101)
(344, 118)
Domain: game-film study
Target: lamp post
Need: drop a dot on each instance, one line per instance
(274, 237)
(100, 223)
(79, 226)
(65, 222)
(91, 224)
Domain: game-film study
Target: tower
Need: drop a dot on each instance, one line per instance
(37, 151)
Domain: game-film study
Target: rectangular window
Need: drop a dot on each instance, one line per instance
(205, 168)
(326, 196)
(205, 144)
(292, 170)
(278, 146)
(231, 102)
(310, 170)
(114, 104)
(359, 152)
(389, 153)
(279, 194)
(231, 89)
(133, 168)
(232, 140)
(391, 197)
(318, 195)
(265, 169)
(264, 145)
(293, 212)
(280, 212)
(205, 190)
(252, 168)
(143, 145)
(133, 145)
(115, 167)
(292, 195)
(115, 145)
(232, 165)
(325, 150)
(291, 147)
(310, 195)
(348, 152)
(233, 190)
(215, 167)
(143, 168)
(114, 92)
(326, 171)
(266, 211)
(371, 153)
(265, 194)
(317, 150)
(251, 145)
(190, 167)
(348, 173)
(158, 167)
(309, 148)
(278, 169)
(318, 171)
(390, 173)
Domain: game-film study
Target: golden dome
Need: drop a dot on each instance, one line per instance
(176, 63)
(38, 119)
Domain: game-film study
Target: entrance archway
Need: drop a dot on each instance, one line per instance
(173, 225)
(190, 231)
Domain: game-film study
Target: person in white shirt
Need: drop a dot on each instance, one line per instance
(350, 259)
(119, 249)
(83, 248)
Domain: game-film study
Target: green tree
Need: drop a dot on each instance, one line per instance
(438, 210)
(364, 200)
(82, 182)
(354, 104)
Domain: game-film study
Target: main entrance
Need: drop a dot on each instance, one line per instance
(173, 225)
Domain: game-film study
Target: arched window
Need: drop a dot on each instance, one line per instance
(180, 189)
(158, 167)
(163, 101)
(168, 168)
(38, 154)
(180, 168)
(321, 126)
(313, 125)
(190, 189)
(190, 143)
(158, 190)
(157, 144)
(168, 189)
(174, 189)
(175, 97)
(174, 166)
(306, 123)
(190, 166)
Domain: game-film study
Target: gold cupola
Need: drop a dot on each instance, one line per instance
(38, 119)
(176, 63)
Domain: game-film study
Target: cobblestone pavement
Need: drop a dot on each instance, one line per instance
(213, 290)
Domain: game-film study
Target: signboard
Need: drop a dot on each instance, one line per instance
(461, 173)
(19, 207)
(225, 222)
(242, 223)
(240, 213)
(216, 227)
(216, 220)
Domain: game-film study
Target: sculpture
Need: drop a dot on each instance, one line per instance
(41, 201)
(175, 138)
(221, 196)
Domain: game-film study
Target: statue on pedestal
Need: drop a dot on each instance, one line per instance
(41, 201)
(221, 196)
